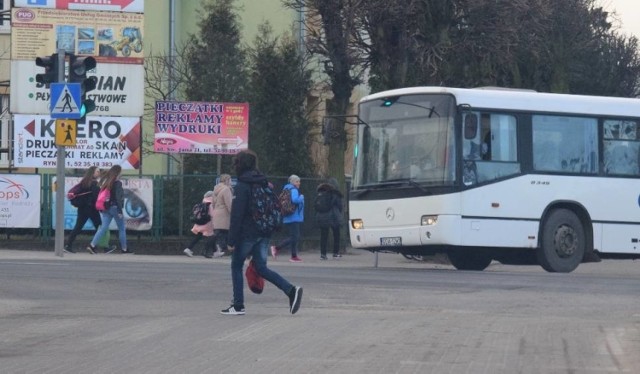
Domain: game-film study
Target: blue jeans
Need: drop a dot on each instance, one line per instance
(293, 239)
(106, 217)
(257, 248)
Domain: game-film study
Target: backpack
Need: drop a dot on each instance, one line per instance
(76, 198)
(265, 209)
(200, 213)
(287, 206)
(104, 197)
(322, 203)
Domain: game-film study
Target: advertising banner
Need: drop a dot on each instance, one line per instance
(136, 6)
(20, 201)
(110, 37)
(137, 209)
(120, 90)
(199, 127)
(101, 142)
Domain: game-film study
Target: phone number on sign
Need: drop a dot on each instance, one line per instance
(86, 164)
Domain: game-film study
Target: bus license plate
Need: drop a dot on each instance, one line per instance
(394, 241)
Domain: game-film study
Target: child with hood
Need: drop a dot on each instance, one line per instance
(203, 230)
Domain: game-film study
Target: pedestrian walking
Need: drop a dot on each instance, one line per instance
(111, 201)
(293, 222)
(245, 238)
(223, 198)
(329, 215)
(83, 196)
(203, 230)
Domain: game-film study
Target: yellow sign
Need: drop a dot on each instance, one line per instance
(66, 131)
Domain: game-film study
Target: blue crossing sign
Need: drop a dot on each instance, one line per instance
(65, 99)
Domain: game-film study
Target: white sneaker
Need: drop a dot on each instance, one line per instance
(188, 252)
(217, 254)
(234, 311)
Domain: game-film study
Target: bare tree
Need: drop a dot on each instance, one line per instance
(406, 41)
(547, 45)
(165, 78)
(332, 32)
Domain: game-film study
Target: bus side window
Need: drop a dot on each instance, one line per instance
(498, 147)
(620, 158)
(621, 147)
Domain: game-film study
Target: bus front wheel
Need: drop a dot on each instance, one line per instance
(470, 259)
(563, 242)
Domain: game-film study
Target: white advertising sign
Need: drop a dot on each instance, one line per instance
(110, 37)
(19, 201)
(134, 6)
(101, 142)
(137, 210)
(120, 90)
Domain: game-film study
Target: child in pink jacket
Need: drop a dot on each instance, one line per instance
(203, 230)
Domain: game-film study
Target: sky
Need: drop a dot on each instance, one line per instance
(628, 12)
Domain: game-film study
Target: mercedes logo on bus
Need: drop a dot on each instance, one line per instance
(391, 214)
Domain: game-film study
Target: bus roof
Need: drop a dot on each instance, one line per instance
(526, 100)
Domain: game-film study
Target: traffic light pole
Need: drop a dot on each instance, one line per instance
(60, 166)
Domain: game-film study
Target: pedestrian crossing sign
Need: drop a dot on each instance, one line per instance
(65, 99)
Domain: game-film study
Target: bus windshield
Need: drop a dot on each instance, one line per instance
(408, 139)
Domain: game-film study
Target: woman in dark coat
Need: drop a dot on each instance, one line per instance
(329, 215)
(86, 193)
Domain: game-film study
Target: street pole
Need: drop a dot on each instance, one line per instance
(60, 166)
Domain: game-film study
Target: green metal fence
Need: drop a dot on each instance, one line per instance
(173, 198)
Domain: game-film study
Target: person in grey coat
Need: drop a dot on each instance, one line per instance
(329, 215)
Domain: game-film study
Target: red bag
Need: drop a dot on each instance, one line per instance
(254, 280)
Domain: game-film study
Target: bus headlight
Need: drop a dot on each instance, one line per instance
(428, 220)
(357, 224)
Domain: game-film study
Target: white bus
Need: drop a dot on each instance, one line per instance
(495, 174)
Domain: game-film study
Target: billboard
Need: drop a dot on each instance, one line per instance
(136, 6)
(120, 90)
(101, 142)
(20, 201)
(200, 127)
(110, 37)
(137, 209)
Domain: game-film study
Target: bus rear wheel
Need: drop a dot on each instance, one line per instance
(563, 242)
(470, 259)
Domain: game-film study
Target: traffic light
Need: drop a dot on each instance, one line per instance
(51, 69)
(78, 67)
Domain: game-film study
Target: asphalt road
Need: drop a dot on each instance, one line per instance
(160, 314)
